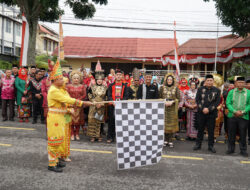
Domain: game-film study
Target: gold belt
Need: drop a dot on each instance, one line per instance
(57, 110)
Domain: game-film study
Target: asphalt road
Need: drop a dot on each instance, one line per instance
(23, 165)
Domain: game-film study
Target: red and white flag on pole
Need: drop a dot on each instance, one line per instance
(176, 52)
(25, 42)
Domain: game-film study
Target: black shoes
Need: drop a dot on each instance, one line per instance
(12, 119)
(61, 164)
(197, 147)
(55, 169)
(4, 119)
(244, 153)
(229, 152)
(34, 122)
(211, 149)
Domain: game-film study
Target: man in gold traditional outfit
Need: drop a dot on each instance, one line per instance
(57, 119)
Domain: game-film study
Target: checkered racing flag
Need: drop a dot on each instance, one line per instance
(139, 133)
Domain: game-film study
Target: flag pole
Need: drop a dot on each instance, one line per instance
(176, 52)
(58, 56)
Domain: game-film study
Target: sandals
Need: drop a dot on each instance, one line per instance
(171, 145)
(72, 138)
(67, 159)
(92, 140)
(109, 141)
(77, 137)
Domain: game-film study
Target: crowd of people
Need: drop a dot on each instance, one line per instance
(198, 106)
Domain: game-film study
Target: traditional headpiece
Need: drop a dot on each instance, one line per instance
(195, 80)
(248, 80)
(56, 72)
(99, 73)
(231, 81)
(209, 77)
(136, 74)
(75, 72)
(169, 75)
(33, 67)
(240, 79)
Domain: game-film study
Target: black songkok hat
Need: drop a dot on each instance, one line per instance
(209, 77)
(240, 79)
(248, 80)
(42, 69)
(231, 81)
(33, 67)
(118, 71)
(148, 73)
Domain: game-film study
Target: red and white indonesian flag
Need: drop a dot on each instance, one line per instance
(176, 52)
(25, 42)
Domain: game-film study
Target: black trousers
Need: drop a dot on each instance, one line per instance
(37, 108)
(241, 125)
(111, 123)
(5, 105)
(203, 122)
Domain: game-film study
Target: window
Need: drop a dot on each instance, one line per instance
(49, 45)
(18, 51)
(7, 50)
(8, 26)
(18, 30)
(45, 43)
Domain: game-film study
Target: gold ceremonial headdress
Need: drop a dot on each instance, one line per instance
(99, 73)
(56, 72)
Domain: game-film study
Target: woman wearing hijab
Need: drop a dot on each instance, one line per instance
(23, 103)
(171, 93)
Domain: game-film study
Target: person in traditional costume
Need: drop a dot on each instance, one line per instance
(218, 82)
(116, 91)
(191, 106)
(78, 91)
(238, 103)
(46, 83)
(147, 90)
(207, 99)
(97, 93)
(7, 86)
(37, 98)
(23, 95)
(248, 87)
(58, 119)
(171, 93)
(135, 84)
(183, 85)
(111, 76)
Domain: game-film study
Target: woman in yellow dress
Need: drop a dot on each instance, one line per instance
(58, 119)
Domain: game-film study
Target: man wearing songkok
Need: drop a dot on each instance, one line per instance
(57, 119)
(207, 99)
(37, 98)
(147, 90)
(116, 91)
(238, 103)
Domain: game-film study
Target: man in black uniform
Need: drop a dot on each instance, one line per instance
(147, 90)
(37, 98)
(207, 99)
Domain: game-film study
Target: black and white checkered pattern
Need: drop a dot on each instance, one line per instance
(139, 133)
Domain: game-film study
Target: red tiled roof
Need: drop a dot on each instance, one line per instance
(116, 47)
(45, 30)
(207, 46)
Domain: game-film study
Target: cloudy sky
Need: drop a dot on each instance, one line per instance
(190, 15)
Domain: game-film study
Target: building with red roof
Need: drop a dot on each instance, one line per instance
(199, 54)
(123, 53)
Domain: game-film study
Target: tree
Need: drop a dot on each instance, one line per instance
(235, 14)
(49, 10)
(239, 68)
